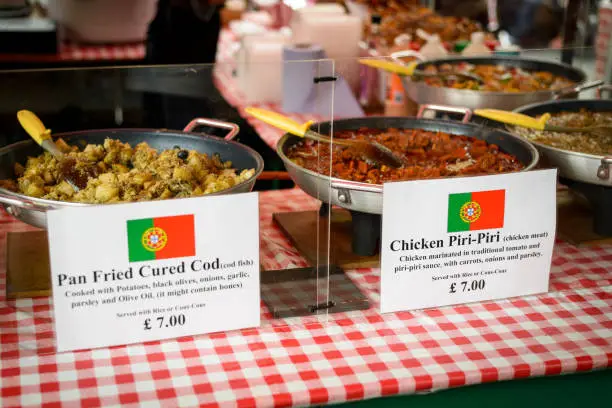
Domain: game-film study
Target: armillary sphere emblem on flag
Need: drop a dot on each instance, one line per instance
(154, 239)
(470, 212)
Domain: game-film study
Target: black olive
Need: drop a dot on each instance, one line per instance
(176, 147)
(183, 154)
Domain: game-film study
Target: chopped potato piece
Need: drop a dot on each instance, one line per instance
(108, 178)
(34, 190)
(106, 192)
(65, 189)
(182, 173)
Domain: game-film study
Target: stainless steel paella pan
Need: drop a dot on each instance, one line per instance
(367, 198)
(33, 210)
(422, 93)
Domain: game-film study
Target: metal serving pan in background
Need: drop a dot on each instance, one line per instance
(582, 167)
(33, 210)
(422, 93)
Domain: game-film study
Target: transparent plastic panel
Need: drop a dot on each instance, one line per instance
(318, 287)
(294, 244)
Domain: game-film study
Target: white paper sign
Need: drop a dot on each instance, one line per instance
(461, 240)
(129, 273)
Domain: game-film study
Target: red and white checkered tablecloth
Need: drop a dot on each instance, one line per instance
(69, 51)
(346, 356)
(364, 354)
(602, 39)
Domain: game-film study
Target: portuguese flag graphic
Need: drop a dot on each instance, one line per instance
(476, 211)
(161, 238)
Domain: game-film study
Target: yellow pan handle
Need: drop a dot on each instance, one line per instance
(279, 121)
(390, 66)
(34, 126)
(513, 118)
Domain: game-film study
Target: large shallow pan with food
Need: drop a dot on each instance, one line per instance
(366, 197)
(422, 93)
(571, 164)
(33, 210)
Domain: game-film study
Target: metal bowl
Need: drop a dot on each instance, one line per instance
(367, 198)
(422, 93)
(583, 167)
(33, 211)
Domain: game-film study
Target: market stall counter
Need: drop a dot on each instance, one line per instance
(350, 356)
(320, 352)
(449, 328)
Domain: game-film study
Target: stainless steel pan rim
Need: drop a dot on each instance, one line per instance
(368, 186)
(567, 90)
(423, 93)
(366, 197)
(556, 149)
(556, 94)
(578, 166)
(603, 170)
(16, 203)
(334, 181)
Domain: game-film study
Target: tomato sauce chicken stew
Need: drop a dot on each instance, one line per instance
(426, 154)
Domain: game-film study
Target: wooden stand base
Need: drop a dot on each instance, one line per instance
(301, 229)
(575, 221)
(574, 225)
(27, 265)
(316, 290)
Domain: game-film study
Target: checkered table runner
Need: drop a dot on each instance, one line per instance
(604, 29)
(69, 51)
(304, 361)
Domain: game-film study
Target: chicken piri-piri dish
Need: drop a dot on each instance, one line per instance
(426, 154)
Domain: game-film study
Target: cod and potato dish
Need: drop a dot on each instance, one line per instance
(118, 172)
(426, 154)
